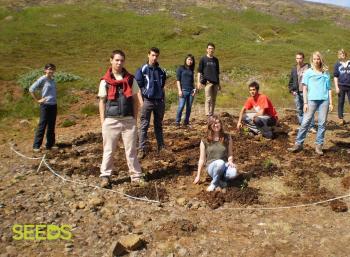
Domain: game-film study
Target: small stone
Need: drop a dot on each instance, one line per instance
(8, 18)
(131, 242)
(181, 201)
(95, 201)
(11, 250)
(81, 205)
(24, 123)
(182, 252)
(117, 249)
(68, 193)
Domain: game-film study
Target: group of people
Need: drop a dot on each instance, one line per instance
(122, 94)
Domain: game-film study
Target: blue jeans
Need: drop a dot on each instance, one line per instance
(216, 170)
(314, 105)
(299, 104)
(187, 99)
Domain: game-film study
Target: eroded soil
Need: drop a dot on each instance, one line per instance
(187, 221)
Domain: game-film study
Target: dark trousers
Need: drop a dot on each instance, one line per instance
(341, 100)
(157, 106)
(48, 115)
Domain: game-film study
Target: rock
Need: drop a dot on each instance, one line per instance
(11, 250)
(8, 18)
(138, 223)
(131, 242)
(68, 247)
(182, 252)
(95, 202)
(117, 249)
(171, 255)
(81, 205)
(68, 193)
(181, 201)
(24, 123)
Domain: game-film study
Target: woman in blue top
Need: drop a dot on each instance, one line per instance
(185, 86)
(317, 97)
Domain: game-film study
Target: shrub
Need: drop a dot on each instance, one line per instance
(27, 79)
(90, 109)
(67, 123)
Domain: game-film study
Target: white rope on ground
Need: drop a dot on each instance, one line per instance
(286, 207)
(96, 187)
(22, 155)
(43, 161)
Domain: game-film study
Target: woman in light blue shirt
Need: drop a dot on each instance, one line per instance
(317, 97)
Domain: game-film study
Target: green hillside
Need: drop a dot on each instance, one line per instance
(79, 37)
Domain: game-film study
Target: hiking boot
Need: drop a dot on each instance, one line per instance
(296, 148)
(36, 150)
(139, 182)
(105, 183)
(313, 130)
(318, 149)
(164, 151)
(341, 122)
(141, 154)
(211, 188)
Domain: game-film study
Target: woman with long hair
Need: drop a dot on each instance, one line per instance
(317, 97)
(342, 82)
(186, 90)
(216, 154)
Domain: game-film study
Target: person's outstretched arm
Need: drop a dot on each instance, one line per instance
(239, 123)
(201, 162)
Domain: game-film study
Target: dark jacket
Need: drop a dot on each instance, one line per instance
(151, 80)
(293, 84)
(342, 73)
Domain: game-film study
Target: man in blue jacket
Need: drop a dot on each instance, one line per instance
(151, 80)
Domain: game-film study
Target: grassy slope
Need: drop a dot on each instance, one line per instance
(79, 38)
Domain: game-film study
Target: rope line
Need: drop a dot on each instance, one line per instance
(43, 161)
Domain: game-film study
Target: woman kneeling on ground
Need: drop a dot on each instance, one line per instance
(216, 153)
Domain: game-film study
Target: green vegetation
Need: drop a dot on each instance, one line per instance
(90, 109)
(78, 38)
(68, 123)
(27, 79)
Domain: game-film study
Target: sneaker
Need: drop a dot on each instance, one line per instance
(105, 182)
(211, 188)
(141, 154)
(36, 150)
(318, 149)
(313, 130)
(296, 148)
(53, 148)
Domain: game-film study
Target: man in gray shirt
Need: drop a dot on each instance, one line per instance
(48, 107)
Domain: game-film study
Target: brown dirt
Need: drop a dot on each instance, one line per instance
(270, 177)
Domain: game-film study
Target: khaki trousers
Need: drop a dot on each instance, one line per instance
(112, 128)
(211, 91)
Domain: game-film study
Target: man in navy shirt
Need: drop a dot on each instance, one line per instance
(342, 82)
(208, 77)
